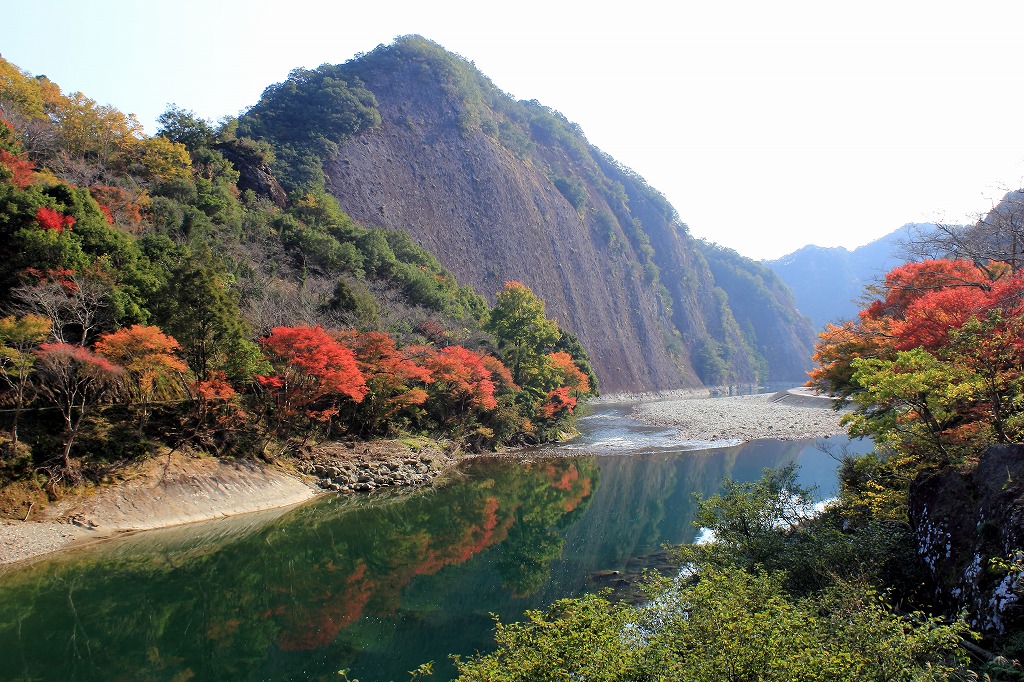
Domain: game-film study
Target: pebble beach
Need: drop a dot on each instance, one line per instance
(788, 415)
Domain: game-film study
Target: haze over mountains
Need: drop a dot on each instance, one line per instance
(827, 281)
(503, 190)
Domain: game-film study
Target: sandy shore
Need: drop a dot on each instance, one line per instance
(788, 415)
(158, 494)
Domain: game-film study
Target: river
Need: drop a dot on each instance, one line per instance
(375, 584)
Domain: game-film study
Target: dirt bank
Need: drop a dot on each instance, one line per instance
(155, 494)
(170, 491)
(787, 415)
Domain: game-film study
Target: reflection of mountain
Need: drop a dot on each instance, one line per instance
(647, 500)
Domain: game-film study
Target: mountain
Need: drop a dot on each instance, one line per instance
(419, 140)
(764, 308)
(826, 282)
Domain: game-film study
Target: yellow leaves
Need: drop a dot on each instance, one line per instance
(31, 329)
(163, 160)
(88, 128)
(18, 337)
(31, 97)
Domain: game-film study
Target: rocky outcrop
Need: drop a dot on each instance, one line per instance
(970, 535)
(348, 467)
(501, 190)
(253, 173)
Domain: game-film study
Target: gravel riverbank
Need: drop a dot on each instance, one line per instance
(788, 415)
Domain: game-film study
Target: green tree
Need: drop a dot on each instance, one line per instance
(199, 310)
(19, 336)
(523, 333)
(752, 521)
(183, 126)
(723, 625)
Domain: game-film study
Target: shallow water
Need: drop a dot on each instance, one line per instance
(374, 584)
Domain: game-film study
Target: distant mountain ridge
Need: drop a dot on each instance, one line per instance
(504, 190)
(826, 281)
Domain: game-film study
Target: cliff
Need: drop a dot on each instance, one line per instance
(970, 535)
(503, 190)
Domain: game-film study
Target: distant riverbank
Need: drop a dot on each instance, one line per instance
(794, 414)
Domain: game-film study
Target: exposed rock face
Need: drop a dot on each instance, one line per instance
(489, 217)
(760, 301)
(963, 522)
(501, 190)
(254, 174)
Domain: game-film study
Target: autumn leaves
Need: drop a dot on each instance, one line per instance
(308, 382)
(935, 364)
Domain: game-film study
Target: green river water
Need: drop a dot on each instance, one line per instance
(374, 584)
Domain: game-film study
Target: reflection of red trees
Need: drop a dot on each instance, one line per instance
(475, 539)
(316, 623)
(480, 525)
(569, 481)
(319, 627)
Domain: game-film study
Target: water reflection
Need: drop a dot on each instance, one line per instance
(377, 585)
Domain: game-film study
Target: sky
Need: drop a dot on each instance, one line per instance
(768, 124)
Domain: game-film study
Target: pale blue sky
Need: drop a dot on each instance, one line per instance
(768, 125)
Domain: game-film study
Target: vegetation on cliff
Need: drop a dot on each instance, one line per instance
(500, 190)
(156, 299)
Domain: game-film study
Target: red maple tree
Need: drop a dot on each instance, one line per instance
(312, 373)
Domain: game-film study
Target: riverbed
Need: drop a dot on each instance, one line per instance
(381, 583)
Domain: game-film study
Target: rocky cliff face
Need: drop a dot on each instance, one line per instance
(763, 306)
(501, 190)
(970, 536)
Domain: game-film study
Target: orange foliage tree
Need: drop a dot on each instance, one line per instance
(151, 367)
(394, 382)
(461, 382)
(934, 365)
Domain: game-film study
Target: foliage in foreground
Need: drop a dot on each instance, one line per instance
(725, 625)
(779, 594)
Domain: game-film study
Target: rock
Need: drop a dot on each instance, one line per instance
(253, 173)
(961, 522)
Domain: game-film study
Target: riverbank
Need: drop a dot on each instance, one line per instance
(179, 489)
(794, 414)
(158, 493)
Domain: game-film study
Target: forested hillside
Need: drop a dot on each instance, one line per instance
(411, 137)
(165, 292)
